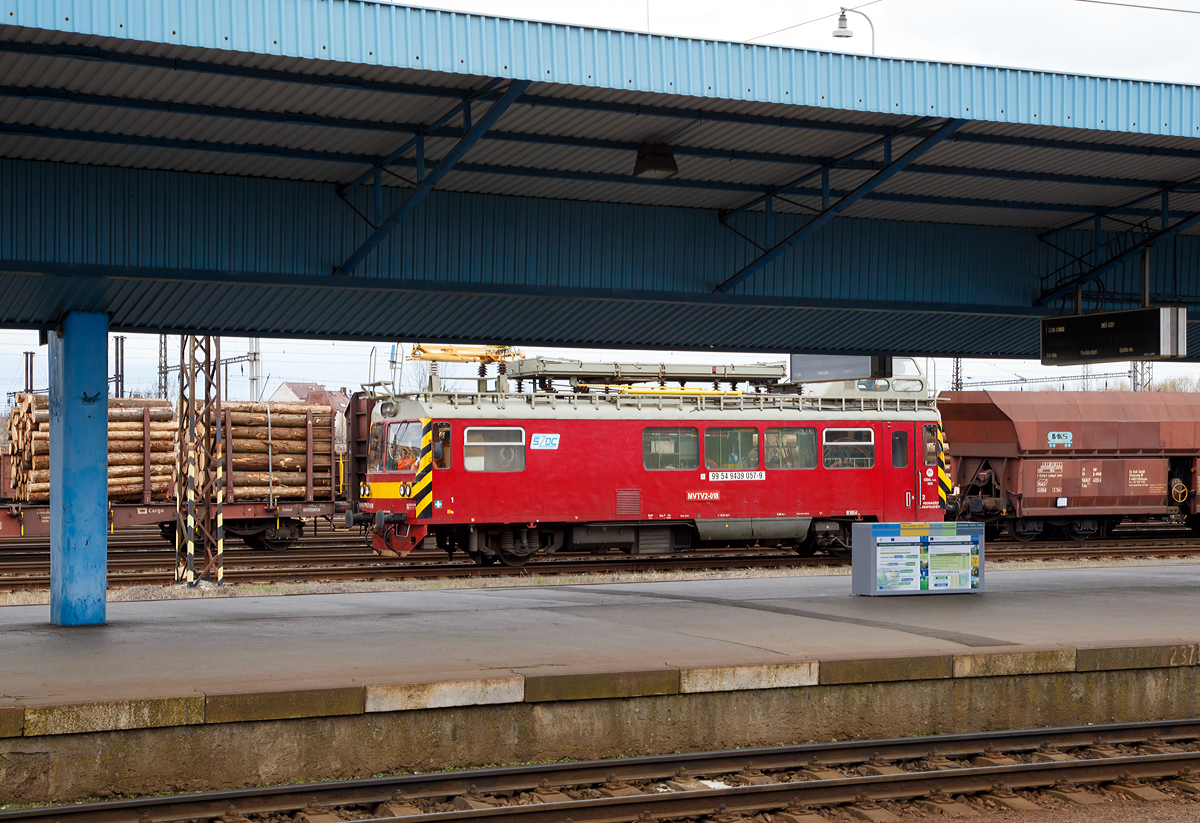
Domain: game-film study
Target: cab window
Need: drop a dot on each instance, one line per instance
(849, 448)
(731, 448)
(494, 449)
(403, 447)
(791, 448)
(931, 444)
(443, 457)
(375, 449)
(670, 448)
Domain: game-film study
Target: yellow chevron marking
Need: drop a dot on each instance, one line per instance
(423, 487)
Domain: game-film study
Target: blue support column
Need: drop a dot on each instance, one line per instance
(79, 470)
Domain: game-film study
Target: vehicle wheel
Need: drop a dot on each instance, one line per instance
(514, 560)
(1019, 534)
(254, 541)
(276, 544)
(808, 546)
(1073, 531)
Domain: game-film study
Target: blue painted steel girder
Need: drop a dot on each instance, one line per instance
(439, 129)
(79, 469)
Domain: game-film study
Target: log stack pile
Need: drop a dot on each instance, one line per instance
(278, 450)
(141, 443)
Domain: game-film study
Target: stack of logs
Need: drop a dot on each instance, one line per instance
(140, 432)
(270, 454)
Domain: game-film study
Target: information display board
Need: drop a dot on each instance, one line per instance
(829, 368)
(916, 558)
(1155, 333)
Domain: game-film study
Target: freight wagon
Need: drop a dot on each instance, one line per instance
(1031, 463)
(503, 475)
(281, 467)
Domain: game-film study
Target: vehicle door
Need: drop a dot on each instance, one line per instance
(899, 473)
(930, 506)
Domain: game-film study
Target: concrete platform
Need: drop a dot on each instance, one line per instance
(319, 686)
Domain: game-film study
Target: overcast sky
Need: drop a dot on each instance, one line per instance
(1061, 35)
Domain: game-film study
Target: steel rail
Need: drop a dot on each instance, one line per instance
(909, 784)
(236, 573)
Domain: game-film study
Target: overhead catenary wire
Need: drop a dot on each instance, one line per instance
(1138, 6)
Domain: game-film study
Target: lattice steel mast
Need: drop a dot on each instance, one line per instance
(200, 463)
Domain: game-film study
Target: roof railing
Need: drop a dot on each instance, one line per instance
(697, 402)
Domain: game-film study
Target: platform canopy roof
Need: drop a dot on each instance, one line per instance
(377, 115)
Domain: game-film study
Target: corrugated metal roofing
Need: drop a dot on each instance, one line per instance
(374, 309)
(391, 35)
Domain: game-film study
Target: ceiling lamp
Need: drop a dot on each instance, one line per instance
(843, 29)
(655, 161)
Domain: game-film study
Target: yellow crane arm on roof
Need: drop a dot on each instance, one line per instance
(465, 354)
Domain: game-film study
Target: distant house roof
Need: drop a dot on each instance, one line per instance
(311, 393)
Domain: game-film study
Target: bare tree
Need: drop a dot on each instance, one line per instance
(455, 376)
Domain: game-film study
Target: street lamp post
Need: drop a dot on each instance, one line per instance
(843, 29)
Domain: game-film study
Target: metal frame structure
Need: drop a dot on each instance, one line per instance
(200, 464)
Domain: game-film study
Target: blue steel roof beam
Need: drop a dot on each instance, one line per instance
(823, 170)
(88, 53)
(439, 129)
(841, 205)
(514, 90)
(526, 171)
(342, 81)
(1075, 145)
(1164, 188)
(1088, 276)
(92, 54)
(460, 109)
(265, 150)
(53, 95)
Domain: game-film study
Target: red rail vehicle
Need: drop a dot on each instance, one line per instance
(1079, 462)
(502, 475)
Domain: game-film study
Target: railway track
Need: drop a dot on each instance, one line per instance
(1144, 762)
(139, 557)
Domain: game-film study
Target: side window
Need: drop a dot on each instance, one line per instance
(494, 449)
(899, 450)
(443, 456)
(403, 447)
(731, 448)
(930, 445)
(791, 448)
(907, 384)
(849, 448)
(375, 448)
(872, 385)
(670, 448)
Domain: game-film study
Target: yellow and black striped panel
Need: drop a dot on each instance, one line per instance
(943, 468)
(422, 488)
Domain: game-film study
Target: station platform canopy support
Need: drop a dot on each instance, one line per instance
(79, 469)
